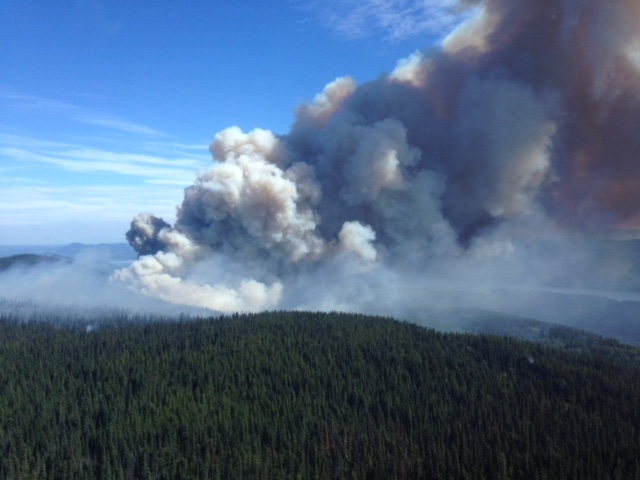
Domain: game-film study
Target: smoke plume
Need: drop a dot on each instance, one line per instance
(498, 160)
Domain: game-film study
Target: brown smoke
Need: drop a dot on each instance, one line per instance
(525, 123)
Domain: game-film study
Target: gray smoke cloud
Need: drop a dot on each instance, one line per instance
(508, 157)
(73, 288)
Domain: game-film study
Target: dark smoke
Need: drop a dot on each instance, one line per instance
(143, 235)
(497, 160)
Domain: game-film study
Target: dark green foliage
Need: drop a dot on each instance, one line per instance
(307, 395)
(26, 260)
(554, 335)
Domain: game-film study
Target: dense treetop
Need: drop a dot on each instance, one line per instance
(306, 395)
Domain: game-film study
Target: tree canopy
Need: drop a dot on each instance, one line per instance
(306, 395)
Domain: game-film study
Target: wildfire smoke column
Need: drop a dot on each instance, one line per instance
(526, 120)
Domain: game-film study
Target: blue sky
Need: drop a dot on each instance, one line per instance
(107, 107)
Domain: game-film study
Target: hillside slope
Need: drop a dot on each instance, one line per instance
(29, 260)
(307, 395)
(551, 334)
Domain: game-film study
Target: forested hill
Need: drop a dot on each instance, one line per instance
(27, 260)
(307, 395)
(550, 334)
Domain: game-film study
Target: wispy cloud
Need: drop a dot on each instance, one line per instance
(77, 191)
(115, 123)
(174, 170)
(40, 105)
(46, 203)
(395, 20)
(37, 214)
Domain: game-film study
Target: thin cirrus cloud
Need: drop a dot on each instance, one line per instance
(395, 20)
(33, 213)
(32, 104)
(23, 152)
(64, 177)
(45, 185)
(115, 123)
(46, 204)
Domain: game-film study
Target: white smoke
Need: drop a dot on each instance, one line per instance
(479, 162)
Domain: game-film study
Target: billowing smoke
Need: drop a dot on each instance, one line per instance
(498, 159)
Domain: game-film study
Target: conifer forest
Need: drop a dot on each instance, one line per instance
(300, 395)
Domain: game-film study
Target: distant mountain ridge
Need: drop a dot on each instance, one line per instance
(564, 337)
(103, 251)
(27, 260)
